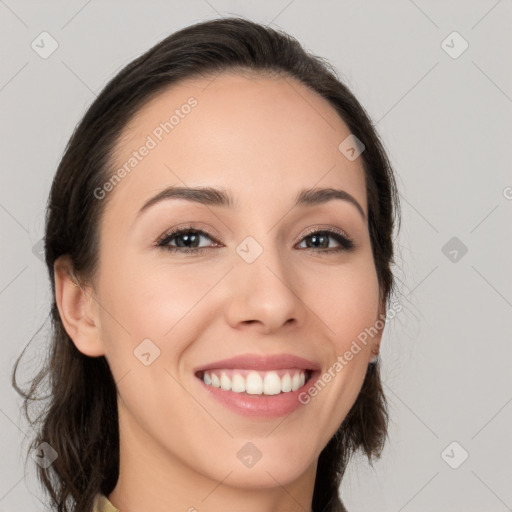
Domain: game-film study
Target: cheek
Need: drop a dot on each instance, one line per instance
(165, 304)
(347, 301)
(348, 307)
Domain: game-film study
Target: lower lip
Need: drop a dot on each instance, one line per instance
(262, 406)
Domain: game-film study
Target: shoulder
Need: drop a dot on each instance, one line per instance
(102, 504)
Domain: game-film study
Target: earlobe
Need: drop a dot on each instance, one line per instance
(77, 309)
(380, 323)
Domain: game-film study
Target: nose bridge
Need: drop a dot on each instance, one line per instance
(262, 284)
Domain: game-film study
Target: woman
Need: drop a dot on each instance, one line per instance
(219, 240)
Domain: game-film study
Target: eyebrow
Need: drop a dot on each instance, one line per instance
(220, 198)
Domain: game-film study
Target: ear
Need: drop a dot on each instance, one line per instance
(77, 308)
(380, 323)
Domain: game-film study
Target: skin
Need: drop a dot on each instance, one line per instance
(263, 141)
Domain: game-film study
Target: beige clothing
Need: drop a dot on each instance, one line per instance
(102, 504)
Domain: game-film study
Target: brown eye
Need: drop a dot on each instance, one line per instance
(320, 240)
(186, 240)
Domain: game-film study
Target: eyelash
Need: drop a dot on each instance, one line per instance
(342, 238)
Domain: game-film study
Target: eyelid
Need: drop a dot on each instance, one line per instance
(186, 227)
(316, 229)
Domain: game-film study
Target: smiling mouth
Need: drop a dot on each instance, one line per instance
(256, 382)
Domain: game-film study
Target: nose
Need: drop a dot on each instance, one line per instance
(264, 295)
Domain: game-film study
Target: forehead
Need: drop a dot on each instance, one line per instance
(254, 135)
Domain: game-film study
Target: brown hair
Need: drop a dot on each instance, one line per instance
(80, 420)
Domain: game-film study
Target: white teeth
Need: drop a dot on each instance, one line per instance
(272, 384)
(237, 383)
(254, 382)
(225, 382)
(296, 382)
(286, 383)
(215, 381)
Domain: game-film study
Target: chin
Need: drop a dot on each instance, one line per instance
(276, 468)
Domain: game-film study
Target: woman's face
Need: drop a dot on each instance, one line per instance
(261, 284)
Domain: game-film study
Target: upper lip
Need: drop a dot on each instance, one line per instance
(261, 362)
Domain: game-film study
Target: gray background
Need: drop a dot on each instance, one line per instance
(446, 123)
